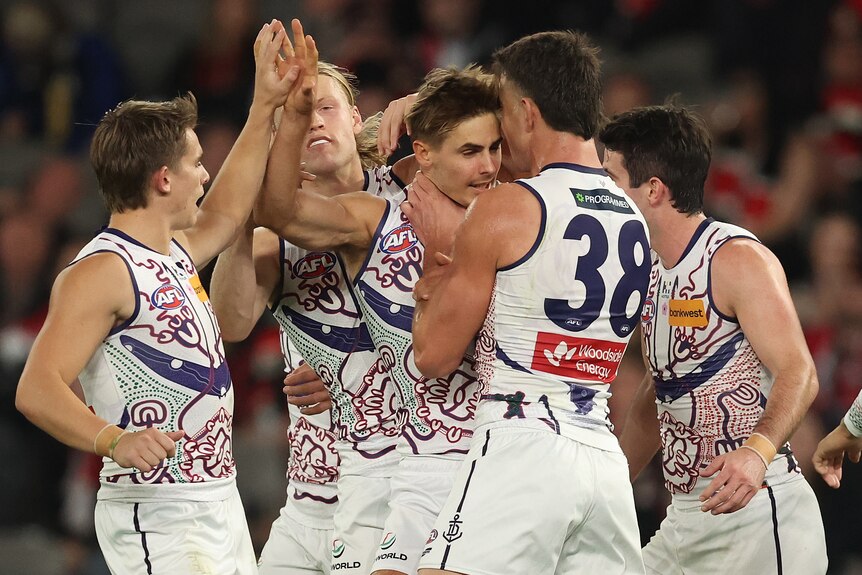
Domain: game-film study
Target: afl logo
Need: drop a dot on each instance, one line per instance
(168, 296)
(398, 240)
(314, 265)
(648, 311)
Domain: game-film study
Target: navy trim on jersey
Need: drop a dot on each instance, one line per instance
(366, 179)
(775, 529)
(279, 285)
(391, 173)
(575, 167)
(374, 239)
(701, 228)
(128, 238)
(731, 319)
(539, 237)
(182, 249)
(137, 524)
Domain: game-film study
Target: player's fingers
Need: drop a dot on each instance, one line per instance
(308, 399)
(302, 374)
(307, 388)
(442, 259)
(319, 408)
(258, 41)
(298, 39)
(854, 455)
(714, 487)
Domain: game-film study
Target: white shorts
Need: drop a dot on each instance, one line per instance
(419, 489)
(294, 549)
(531, 501)
(779, 531)
(358, 523)
(206, 537)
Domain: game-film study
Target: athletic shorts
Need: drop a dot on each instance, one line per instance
(294, 549)
(206, 537)
(420, 487)
(358, 523)
(531, 501)
(779, 531)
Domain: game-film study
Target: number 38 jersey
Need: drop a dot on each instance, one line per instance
(563, 314)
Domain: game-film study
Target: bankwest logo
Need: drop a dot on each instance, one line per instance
(686, 313)
(601, 200)
(398, 240)
(577, 358)
(314, 265)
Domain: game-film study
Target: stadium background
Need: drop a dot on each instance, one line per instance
(780, 82)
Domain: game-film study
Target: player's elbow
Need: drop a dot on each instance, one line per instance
(433, 363)
(26, 402)
(232, 332)
(812, 385)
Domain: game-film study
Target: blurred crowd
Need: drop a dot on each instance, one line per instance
(779, 81)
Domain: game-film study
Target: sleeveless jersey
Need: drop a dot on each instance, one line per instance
(164, 367)
(439, 412)
(318, 312)
(563, 314)
(312, 468)
(711, 388)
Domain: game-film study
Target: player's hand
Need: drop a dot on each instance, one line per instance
(305, 390)
(740, 476)
(392, 124)
(829, 455)
(274, 76)
(146, 449)
(429, 281)
(303, 54)
(434, 216)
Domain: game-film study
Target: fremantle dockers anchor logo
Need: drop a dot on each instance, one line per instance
(453, 533)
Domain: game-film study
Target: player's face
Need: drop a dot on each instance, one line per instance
(615, 167)
(467, 161)
(512, 118)
(188, 178)
(331, 142)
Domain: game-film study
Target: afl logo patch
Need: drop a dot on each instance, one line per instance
(314, 265)
(398, 240)
(168, 296)
(648, 310)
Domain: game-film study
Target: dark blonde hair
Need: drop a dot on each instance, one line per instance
(448, 97)
(134, 140)
(366, 139)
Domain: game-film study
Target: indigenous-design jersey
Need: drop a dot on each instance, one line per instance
(711, 388)
(164, 367)
(317, 310)
(563, 314)
(312, 468)
(439, 412)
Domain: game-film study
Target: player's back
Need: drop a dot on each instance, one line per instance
(563, 314)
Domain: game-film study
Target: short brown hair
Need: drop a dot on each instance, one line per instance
(560, 71)
(448, 97)
(134, 140)
(366, 139)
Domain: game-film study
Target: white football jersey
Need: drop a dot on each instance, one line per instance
(711, 388)
(164, 367)
(562, 316)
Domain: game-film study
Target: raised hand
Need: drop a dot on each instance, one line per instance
(434, 216)
(146, 449)
(273, 78)
(392, 124)
(302, 54)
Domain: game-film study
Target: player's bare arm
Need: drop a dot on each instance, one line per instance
(88, 299)
(640, 437)
(243, 281)
(500, 227)
(231, 197)
(749, 283)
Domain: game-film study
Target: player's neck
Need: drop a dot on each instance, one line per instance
(349, 178)
(550, 147)
(155, 233)
(670, 236)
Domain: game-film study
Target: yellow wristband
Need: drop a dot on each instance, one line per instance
(96, 439)
(762, 446)
(114, 443)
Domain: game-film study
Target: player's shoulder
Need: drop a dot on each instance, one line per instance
(101, 278)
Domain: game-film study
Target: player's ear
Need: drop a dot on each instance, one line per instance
(423, 154)
(160, 181)
(357, 120)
